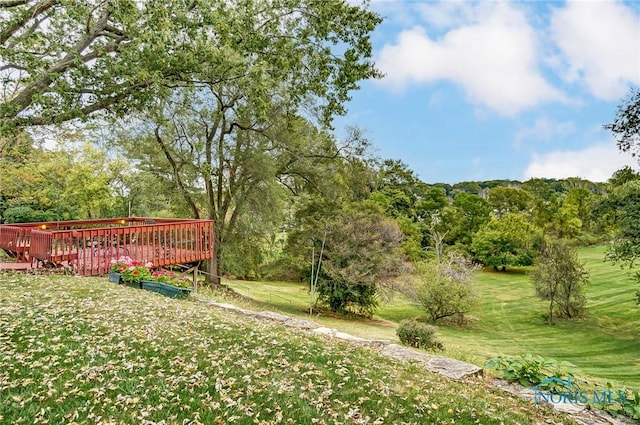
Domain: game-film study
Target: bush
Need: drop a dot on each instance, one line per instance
(530, 370)
(26, 214)
(418, 335)
(445, 290)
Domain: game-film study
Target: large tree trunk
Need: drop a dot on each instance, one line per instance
(212, 270)
(213, 275)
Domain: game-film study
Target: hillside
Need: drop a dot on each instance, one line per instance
(82, 350)
(509, 320)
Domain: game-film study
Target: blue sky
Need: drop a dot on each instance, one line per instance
(498, 89)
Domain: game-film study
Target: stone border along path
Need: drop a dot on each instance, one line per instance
(447, 367)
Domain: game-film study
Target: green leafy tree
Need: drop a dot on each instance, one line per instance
(624, 202)
(403, 196)
(395, 174)
(234, 134)
(626, 125)
(560, 278)
(431, 201)
(448, 189)
(412, 233)
(566, 223)
(573, 214)
(396, 177)
(544, 202)
(253, 243)
(505, 200)
(445, 288)
(143, 192)
(246, 172)
(361, 257)
(57, 184)
(439, 227)
(393, 202)
(622, 176)
(357, 172)
(61, 60)
(505, 241)
(467, 187)
(473, 212)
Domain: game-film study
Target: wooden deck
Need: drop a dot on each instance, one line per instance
(88, 247)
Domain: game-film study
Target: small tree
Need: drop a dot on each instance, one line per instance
(624, 206)
(445, 289)
(560, 278)
(361, 257)
(437, 233)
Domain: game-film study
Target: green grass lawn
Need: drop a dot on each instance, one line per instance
(605, 345)
(83, 350)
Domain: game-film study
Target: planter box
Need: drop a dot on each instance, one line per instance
(166, 289)
(137, 285)
(115, 277)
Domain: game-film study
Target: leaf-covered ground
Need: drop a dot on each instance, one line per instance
(82, 350)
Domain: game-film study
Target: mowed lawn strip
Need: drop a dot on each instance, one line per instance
(604, 345)
(83, 350)
(510, 320)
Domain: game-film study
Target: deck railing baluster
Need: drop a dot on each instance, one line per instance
(88, 246)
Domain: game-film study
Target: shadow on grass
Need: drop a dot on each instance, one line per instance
(517, 271)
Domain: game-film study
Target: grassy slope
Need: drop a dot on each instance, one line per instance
(604, 345)
(82, 350)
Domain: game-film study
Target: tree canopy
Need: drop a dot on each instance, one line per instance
(63, 59)
(505, 241)
(626, 125)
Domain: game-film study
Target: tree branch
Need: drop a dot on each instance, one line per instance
(87, 110)
(32, 13)
(176, 173)
(24, 99)
(12, 3)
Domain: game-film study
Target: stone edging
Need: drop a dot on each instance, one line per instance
(447, 367)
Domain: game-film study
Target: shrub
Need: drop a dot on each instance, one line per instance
(530, 370)
(418, 335)
(24, 214)
(445, 289)
(623, 402)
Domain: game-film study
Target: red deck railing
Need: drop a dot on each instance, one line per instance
(89, 246)
(15, 241)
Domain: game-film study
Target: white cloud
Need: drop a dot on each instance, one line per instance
(493, 57)
(542, 130)
(446, 14)
(600, 41)
(596, 163)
